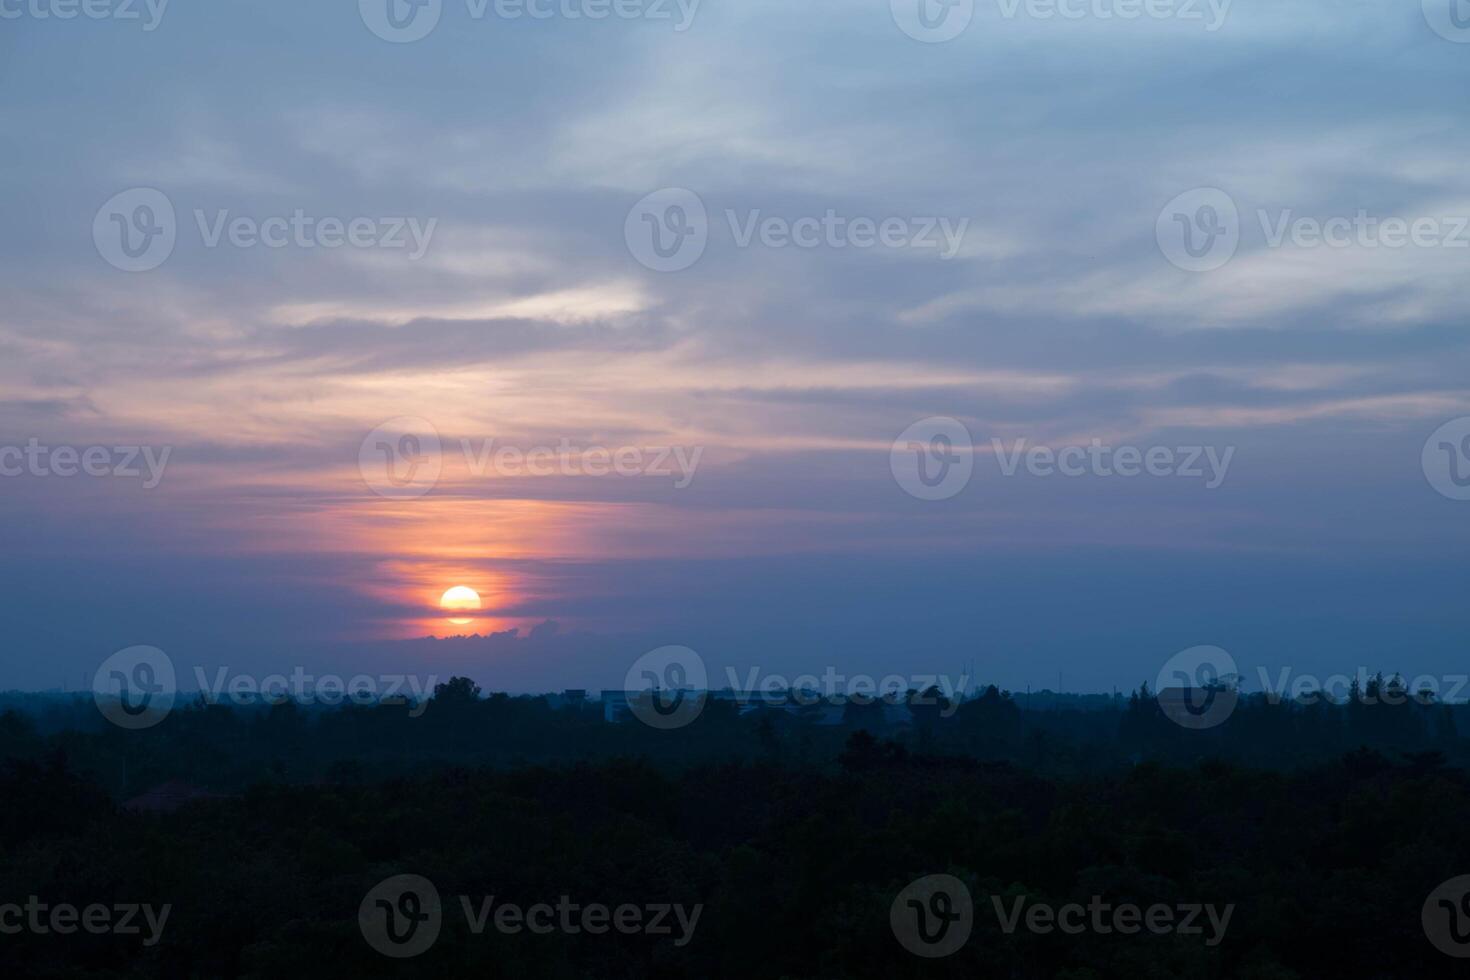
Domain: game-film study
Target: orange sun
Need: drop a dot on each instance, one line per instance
(461, 598)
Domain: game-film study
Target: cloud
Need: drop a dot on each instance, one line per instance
(528, 320)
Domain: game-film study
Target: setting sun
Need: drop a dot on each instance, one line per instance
(459, 599)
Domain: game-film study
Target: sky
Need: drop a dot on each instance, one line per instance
(738, 325)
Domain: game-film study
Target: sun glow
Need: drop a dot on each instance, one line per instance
(461, 598)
